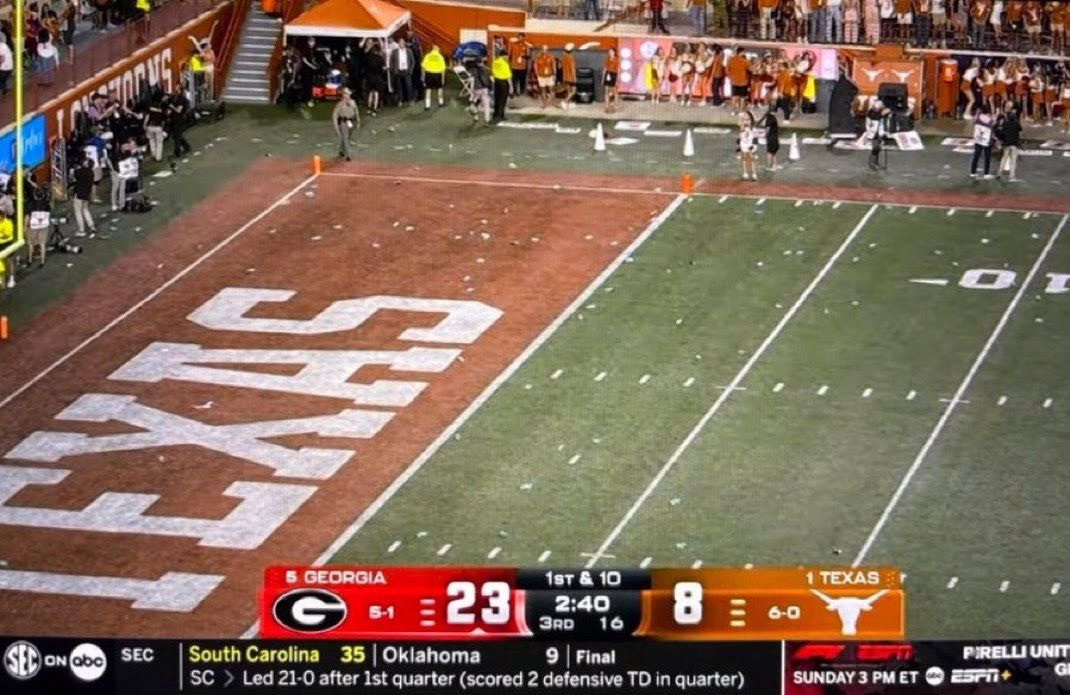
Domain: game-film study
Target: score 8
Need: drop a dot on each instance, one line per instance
(687, 603)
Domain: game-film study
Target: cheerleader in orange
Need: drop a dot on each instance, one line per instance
(1066, 100)
(687, 75)
(703, 85)
(1036, 91)
(968, 85)
(1005, 81)
(672, 73)
(988, 85)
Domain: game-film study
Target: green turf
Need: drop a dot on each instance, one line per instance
(781, 476)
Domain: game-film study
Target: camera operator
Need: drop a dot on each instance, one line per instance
(84, 182)
(123, 163)
(876, 129)
(178, 110)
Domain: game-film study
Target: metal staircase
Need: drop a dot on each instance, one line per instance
(248, 79)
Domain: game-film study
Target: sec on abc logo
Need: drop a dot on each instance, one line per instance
(309, 610)
(88, 662)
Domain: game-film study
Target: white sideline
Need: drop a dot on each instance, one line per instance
(957, 398)
(489, 391)
(721, 198)
(155, 293)
(732, 387)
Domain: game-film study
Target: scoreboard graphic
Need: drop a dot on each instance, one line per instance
(444, 630)
(571, 604)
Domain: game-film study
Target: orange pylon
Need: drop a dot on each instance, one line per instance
(317, 164)
(687, 184)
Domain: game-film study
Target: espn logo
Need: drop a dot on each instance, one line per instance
(975, 675)
(825, 651)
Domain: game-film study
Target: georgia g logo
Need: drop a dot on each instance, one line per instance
(309, 610)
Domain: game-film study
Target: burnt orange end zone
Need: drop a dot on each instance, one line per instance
(336, 238)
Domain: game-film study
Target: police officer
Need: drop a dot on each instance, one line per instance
(346, 117)
(503, 83)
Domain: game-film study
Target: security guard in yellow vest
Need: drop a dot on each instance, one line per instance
(434, 69)
(503, 83)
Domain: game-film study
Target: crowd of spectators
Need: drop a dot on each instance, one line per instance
(1011, 25)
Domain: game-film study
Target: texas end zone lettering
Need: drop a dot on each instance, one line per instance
(262, 506)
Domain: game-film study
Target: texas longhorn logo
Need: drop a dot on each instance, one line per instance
(849, 608)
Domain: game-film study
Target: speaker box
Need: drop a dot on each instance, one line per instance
(841, 107)
(585, 85)
(893, 95)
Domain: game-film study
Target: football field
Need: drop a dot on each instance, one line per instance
(779, 381)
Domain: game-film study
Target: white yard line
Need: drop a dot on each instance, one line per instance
(154, 294)
(942, 422)
(721, 198)
(725, 394)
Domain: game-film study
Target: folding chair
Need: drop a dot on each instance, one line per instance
(467, 81)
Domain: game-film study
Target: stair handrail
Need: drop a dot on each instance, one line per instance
(226, 48)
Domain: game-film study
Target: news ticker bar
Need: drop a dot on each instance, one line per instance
(147, 667)
(483, 603)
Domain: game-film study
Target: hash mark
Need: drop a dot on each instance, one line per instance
(645, 562)
(645, 378)
(798, 203)
(393, 546)
(557, 373)
(990, 213)
(779, 387)
(493, 552)
(748, 566)
(1003, 586)
(1026, 215)
(823, 390)
(761, 201)
(722, 199)
(444, 549)
(544, 556)
(952, 582)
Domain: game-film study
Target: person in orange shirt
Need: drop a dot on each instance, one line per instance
(546, 74)
(1031, 15)
(518, 62)
(766, 24)
(739, 77)
(610, 70)
(1014, 23)
(568, 75)
(904, 15)
(1057, 15)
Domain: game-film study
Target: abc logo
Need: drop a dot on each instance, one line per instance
(934, 676)
(309, 610)
(88, 662)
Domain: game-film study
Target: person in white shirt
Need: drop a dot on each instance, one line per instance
(47, 58)
(748, 146)
(7, 65)
(982, 141)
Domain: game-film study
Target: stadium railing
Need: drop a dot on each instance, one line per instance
(96, 56)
